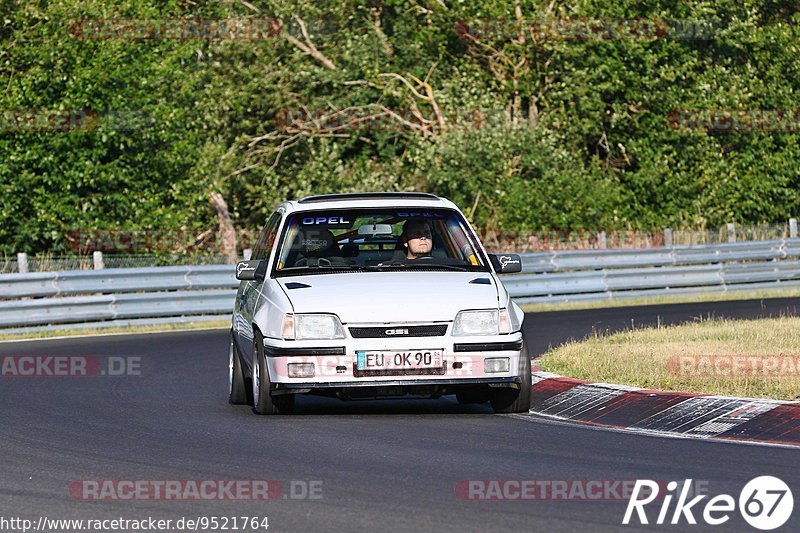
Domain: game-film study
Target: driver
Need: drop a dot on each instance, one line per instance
(417, 239)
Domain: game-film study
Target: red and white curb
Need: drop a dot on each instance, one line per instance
(676, 413)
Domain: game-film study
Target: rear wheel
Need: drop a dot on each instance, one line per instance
(263, 402)
(513, 400)
(237, 388)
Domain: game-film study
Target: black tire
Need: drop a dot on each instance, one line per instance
(237, 388)
(263, 402)
(516, 400)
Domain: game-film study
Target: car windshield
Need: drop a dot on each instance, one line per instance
(377, 240)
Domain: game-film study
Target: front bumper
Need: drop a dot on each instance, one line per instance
(429, 388)
(335, 363)
(498, 382)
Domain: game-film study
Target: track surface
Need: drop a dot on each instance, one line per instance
(389, 465)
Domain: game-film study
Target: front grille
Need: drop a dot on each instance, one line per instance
(386, 332)
(488, 347)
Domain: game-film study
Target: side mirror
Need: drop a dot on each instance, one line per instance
(251, 270)
(506, 263)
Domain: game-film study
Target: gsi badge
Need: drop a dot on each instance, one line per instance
(396, 332)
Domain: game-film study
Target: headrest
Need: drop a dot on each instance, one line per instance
(317, 241)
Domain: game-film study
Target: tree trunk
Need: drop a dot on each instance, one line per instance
(227, 233)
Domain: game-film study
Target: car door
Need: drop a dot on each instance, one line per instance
(247, 297)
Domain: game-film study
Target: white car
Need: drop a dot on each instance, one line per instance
(375, 295)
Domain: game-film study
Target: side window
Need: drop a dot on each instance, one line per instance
(267, 238)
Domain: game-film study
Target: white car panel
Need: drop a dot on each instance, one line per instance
(401, 296)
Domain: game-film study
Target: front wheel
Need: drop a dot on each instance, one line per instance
(263, 402)
(513, 400)
(237, 389)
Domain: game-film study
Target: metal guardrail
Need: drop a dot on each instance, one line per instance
(615, 274)
(125, 293)
(175, 293)
(116, 280)
(116, 306)
(678, 255)
(610, 284)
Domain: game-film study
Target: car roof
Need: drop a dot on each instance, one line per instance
(368, 199)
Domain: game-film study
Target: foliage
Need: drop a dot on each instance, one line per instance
(523, 132)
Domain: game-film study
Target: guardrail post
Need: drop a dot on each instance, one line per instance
(731, 232)
(247, 253)
(22, 263)
(792, 228)
(601, 240)
(97, 257)
(668, 237)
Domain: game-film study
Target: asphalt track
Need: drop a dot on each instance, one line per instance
(381, 466)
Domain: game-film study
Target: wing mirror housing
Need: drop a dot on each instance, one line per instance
(251, 270)
(506, 263)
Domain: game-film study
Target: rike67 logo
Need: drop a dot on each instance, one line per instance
(765, 503)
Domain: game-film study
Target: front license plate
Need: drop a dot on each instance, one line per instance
(406, 360)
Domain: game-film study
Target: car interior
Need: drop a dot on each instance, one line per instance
(370, 241)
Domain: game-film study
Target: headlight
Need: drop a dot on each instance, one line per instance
(485, 322)
(306, 327)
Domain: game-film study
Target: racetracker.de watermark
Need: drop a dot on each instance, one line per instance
(43, 120)
(248, 29)
(194, 489)
(735, 120)
(592, 490)
(583, 29)
(71, 120)
(733, 366)
(199, 29)
(69, 366)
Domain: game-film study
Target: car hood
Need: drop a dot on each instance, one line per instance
(384, 297)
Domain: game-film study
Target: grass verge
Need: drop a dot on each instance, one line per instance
(746, 358)
(154, 328)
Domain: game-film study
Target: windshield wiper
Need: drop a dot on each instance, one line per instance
(314, 269)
